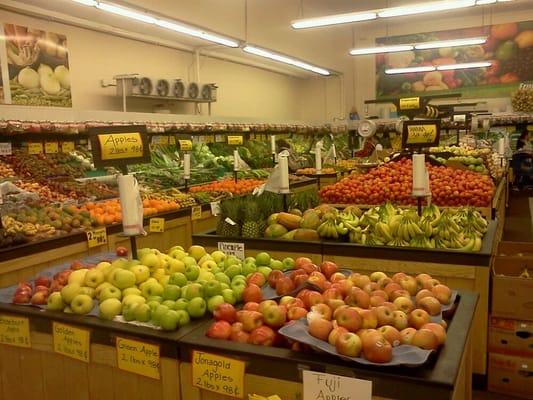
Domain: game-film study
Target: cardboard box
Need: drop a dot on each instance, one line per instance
(511, 295)
(511, 337)
(511, 375)
(525, 249)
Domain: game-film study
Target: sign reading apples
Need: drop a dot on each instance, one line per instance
(232, 249)
(322, 386)
(15, 331)
(71, 342)
(138, 357)
(218, 374)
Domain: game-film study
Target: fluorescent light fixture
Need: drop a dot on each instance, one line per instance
(409, 70)
(125, 12)
(450, 43)
(464, 66)
(176, 27)
(284, 59)
(91, 3)
(381, 49)
(333, 20)
(485, 2)
(421, 8)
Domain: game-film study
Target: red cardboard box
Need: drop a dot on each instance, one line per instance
(511, 337)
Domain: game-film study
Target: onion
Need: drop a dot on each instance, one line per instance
(63, 76)
(44, 70)
(50, 84)
(28, 78)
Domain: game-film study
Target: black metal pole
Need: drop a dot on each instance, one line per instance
(133, 243)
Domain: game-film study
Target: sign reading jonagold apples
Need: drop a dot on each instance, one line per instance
(218, 374)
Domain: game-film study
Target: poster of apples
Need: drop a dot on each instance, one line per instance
(38, 67)
(509, 47)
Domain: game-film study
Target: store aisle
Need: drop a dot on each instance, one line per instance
(519, 217)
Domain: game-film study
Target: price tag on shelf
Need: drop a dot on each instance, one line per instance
(215, 208)
(232, 249)
(218, 374)
(96, 237)
(157, 139)
(138, 357)
(67, 147)
(15, 331)
(196, 212)
(118, 146)
(35, 148)
(235, 140)
(185, 145)
(6, 149)
(51, 147)
(410, 103)
(71, 342)
(319, 385)
(171, 140)
(219, 138)
(157, 225)
(421, 134)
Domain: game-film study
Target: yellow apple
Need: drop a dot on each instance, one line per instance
(78, 276)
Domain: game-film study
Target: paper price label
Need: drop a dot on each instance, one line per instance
(215, 208)
(232, 249)
(219, 138)
(235, 140)
(96, 237)
(319, 385)
(67, 147)
(15, 331)
(196, 212)
(71, 342)
(410, 103)
(185, 145)
(35, 148)
(218, 374)
(157, 225)
(138, 357)
(117, 146)
(421, 134)
(51, 147)
(159, 139)
(6, 149)
(171, 140)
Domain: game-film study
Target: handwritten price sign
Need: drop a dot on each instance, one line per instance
(218, 374)
(421, 133)
(15, 331)
(96, 237)
(319, 385)
(71, 342)
(117, 146)
(410, 103)
(138, 357)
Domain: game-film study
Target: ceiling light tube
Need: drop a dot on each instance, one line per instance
(410, 70)
(381, 49)
(125, 12)
(284, 59)
(425, 8)
(333, 20)
(196, 33)
(485, 2)
(450, 43)
(464, 66)
(91, 3)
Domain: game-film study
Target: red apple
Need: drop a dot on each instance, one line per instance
(39, 298)
(340, 287)
(295, 313)
(348, 344)
(438, 330)
(442, 293)
(338, 310)
(55, 286)
(391, 335)
(376, 348)
(257, 278)
(348, 318)
(359, 280)
(331, 293)
(400, 320)
(300, 280)
(251, 306)
(376, 301)
(310, 267)
(430, 304)
(370, 321)
(406, 335)
(430, 283)
(263, 336)
(62, 277)
(391, 287)
(334, 334)
(390, 306)
(253, 293)
(399, 293)
(295, 273)
(275, 316)
(295, 303)
(284, 286)
(265, 304)
(22, 297)
(225, 312)
(404, 304)
(423, 293)
(337, 277)
(398, 276)
(312, 298)
(76, 265)
(121, 251)
(25, 285)
(335, 303)
(409, 283)
(381, 293)
(301, 261)
(323, 310)
(417, 318)
(42, 281)
(320, 328)
(420, 278)
(237, 333)
(273, 277)
(219, 330)
(384, 316)
(42, 289)
(376, 276)
(328, 268)
(250, 319)
(358, 298)
(425, 339)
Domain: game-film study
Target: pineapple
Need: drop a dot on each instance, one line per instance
(229, 209)
(252, 216)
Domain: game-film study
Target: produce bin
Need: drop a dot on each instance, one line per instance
(271, 370)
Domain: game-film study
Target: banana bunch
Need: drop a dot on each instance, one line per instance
(371, 217)
(356, 235)
(12, 226)
(525, 274)
(472, 221)
(431, 212)
(383, 232)
(426, 226)
(329, 229)
(350, 221)
(398, 243)
(422, 241)
(408, 229)
(470, 243)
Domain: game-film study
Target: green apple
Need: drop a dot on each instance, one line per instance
(110, 308)
(231, 260)
(158, 313)
(178, 279)
(120, 263)
(131, 290)
(209, 265)
(89, 291)
(158, 273)
(159, 299)
(101, 287)
(132, 263)
(262, 258)
(249, 260)
(55, 302)
(192, 272)
(181, 304)
(222, 265)
(288, 263)
(193, 290)
(122, 278)
(141, 272)
(224, 285)
(128, 311)
(218, 256)
(265, 271)
(175, 247)
(169, 303)
(81, 304)
(237, 291)
(142, 312)
(205, 258)
(236, 278)
(229, 296)
(188, 260)
(153, 304)
(142, 252)
(164, 280)
(151, 260)
(277, 265)
(94, 277)
(214, 301)
(184, 317)
(68, 292)
(212, 288)
(196, 307)
(197, 252)
(152, 289)
(147, 282)
(233, 270)
(205, 275)
(248, 269)
(102, 265)
(133, 298)
(110, 292)
(78, 276)
(178, 254)
(174, 265)
(171, 292)
(169, 320)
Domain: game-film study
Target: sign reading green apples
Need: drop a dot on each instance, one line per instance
(319, 385)
(218, 374)
(138, 357)
(71, 342)
(232, 249)
(15, 331)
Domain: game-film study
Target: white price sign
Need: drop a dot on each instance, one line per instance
(319, 385)
(215, 208)
(5, 149)
(232, 249)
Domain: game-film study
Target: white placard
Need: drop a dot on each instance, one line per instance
(232, 249)
(6, 149)
(215, 208)
(319, 385)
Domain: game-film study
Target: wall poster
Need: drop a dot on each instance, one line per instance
(509, 47)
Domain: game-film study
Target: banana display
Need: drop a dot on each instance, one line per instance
(386, 225)
(12, 226)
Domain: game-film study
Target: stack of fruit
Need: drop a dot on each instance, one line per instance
(170, 195)
(313, 171)
(472, 163)
(242, 186)
(358, 315)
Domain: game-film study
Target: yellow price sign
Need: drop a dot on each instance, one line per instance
(157, 224)
(71, 342)
(171, 140)
(51, 147)
(185, 145)
(117, 146)
(218, 374)
(35, 148)
(96, 237)
(410, 103)
(421, 134)
(15, 331)
(138, 357)
(235, 140)
(67, 147)
(159, 139)
(196, 212)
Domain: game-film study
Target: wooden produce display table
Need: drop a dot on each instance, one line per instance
(271, 370)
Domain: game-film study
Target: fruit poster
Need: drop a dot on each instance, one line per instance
(509, 47)
(38, 67)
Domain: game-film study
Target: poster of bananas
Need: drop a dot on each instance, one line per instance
(37, 66)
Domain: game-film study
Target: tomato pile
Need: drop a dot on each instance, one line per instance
(393, 182)
(242, 186)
